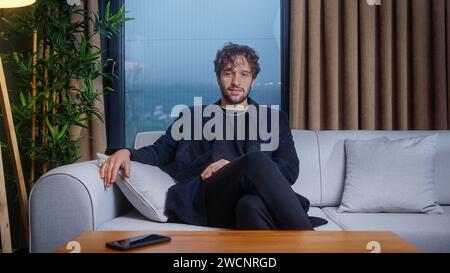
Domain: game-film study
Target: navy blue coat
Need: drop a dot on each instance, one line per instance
(185, 160)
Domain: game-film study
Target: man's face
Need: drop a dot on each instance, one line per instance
(235, 81)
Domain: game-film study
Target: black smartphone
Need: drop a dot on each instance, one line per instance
(138, 241)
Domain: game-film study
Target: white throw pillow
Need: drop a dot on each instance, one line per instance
(145, 189)
(385, 175)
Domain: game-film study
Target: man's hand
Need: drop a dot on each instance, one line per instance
(119, 160)
(214, 167)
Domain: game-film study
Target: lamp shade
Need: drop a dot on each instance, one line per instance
(15, 3)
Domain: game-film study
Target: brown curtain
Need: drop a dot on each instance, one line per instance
(356, 66)
(94, 137)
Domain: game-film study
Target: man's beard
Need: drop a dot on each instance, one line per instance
(234, 100)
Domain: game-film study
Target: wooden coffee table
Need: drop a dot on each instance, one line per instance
(248, 242)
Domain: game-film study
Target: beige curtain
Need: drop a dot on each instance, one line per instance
(94, 138)
(356, 66)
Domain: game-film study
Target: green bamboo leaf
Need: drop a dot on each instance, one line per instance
(83, 46)
(16, 57)
(32, 102)
(108, 11)
(22, 99)
(51, 129)
(118, 14)
(63, 131)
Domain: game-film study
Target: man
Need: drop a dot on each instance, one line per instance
(228, 183)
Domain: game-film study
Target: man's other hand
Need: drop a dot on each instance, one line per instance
(118, 160)
(214, 167)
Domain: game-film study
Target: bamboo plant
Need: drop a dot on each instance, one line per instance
(56, 90)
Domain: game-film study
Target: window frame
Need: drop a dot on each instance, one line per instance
(114, 48)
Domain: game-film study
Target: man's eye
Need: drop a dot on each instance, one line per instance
(227, 74)
(245, 75)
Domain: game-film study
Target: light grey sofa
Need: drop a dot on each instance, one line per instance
(71, 199)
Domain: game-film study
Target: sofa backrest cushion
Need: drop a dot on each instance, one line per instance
(332, 160)
(384, 175)
(308, 182)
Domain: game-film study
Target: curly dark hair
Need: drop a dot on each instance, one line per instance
(226, 55)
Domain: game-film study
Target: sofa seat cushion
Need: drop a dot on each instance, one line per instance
(429, 232)
(133, 220)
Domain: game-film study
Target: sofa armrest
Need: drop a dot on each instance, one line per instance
(67, 201)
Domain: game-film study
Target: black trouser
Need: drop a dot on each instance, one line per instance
(252, 193)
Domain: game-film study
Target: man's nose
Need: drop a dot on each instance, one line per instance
(236, 81)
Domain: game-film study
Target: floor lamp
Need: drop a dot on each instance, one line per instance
(12, 141)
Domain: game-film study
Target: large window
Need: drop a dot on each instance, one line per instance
(169, 52)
